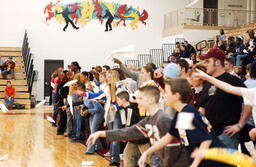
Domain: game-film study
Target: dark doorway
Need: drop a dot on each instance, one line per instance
(211, 12)
(49, 67)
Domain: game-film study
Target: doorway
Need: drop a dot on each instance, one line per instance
(211, 12)
(49, 67)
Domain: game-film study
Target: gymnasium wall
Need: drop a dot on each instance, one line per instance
(89, 45)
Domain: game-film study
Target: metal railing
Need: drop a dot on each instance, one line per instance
(28, 62)
(208, 17)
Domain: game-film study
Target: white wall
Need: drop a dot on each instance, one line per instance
(89, 45)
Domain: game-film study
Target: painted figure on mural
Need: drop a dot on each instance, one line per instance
(144, 16)
(49, 10)
(65, 15)
(80, 13)
(109, 21)
(121, 12)
(74, 8)
(99, 10)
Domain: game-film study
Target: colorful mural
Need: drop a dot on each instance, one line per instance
(79, 14)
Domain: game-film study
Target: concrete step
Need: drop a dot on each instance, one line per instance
(17, 88)
(16, 59)
(27, 102)
(14, 82)
(10, 49)
(14, 54)
(18, 95)
(18, 76)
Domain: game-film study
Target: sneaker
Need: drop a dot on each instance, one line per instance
(107, 154)
(114, 164)
(59, 133)
(75, 140)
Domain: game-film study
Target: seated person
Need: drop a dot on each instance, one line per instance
(9, 68)
(9, 94)
(1, 64)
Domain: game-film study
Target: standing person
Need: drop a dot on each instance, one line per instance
(177, 95)
(223, 110)
(62, 93)
(56, 81)
(9, 93)
(9, 65)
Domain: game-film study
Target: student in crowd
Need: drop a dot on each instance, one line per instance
(9, 93)
(56, 80)
(191, 50)
(131, 116)
(1, 64)
(96, 117)
(172, 70)
(184, 68)
(9, 66)
(77, 118)
(153, 127)
(241, 52)
(196, 84)
(177, 95)
(223, 110)
(229, 66)
(231, 47)
(147, 76)
(221, 36)
(105, 68)
(248, 94)
(251, 47)
(62, 93)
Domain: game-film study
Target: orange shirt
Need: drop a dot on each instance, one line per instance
(9, 91)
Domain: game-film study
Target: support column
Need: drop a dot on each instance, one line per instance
(248, 9)
(253, 15)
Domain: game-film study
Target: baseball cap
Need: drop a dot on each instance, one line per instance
(214, 53)
(172, 70)
(10, 57)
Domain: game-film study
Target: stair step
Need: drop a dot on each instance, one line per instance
(17, 76)
(27, 102)
(16, 59)
(17, 88)
(14, 82)
(10, 49)
(18, 95)
(14, 54)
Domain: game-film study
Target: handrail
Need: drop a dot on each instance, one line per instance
(28, 62)
(208, 17)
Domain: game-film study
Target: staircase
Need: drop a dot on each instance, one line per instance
(22, 92)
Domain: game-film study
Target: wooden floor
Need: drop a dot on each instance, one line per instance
(31, 141)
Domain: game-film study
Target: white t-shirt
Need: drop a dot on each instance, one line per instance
(249, 96)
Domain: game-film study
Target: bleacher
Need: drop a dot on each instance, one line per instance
(24, 73)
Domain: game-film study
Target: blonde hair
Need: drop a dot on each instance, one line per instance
(115, 78)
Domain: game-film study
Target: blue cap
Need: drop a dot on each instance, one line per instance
(10, 57)
(172, 70)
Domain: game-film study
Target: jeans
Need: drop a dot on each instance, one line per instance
(63, 121)
(95, 122)
(77, 121)
(116, 146)
(9, 101)
(5, 72)
(55, 106)
(238, 59)
(69, 124)
(230, 141)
